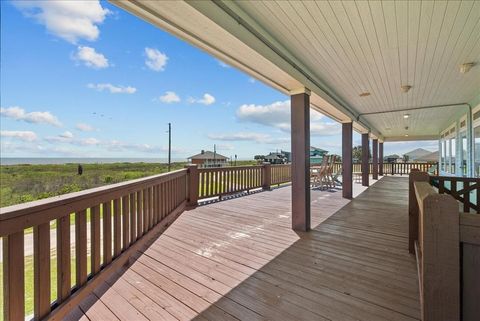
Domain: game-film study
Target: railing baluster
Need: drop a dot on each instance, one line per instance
(145, 210)
(13, 278)
(95, 235)
(117, 228)
(107, 232)
(81, 247)
(133, 219)
(41, 270)
(466, 197)
(139, 214)
(125, 221)
(63, 258)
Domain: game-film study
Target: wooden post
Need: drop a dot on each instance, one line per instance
(267, 176)
(41, 270)
(347, 165)
(415, 176)
(193, 185)
(439, 243)
(365, 166)
(380, 158)
(300, 131)
(375, 158)
(13, 277)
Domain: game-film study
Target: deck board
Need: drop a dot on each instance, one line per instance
(240, 260)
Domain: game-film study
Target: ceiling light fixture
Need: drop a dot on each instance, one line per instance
(406, 135)
(406, 116)
(464, 68)
(365, 94)
(405, 88)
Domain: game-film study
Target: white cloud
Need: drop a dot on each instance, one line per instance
(91, 58)
(249, 136)
(206, 100)
(27, 136)
(89, 141)
(113, 89)
(169, 97)
(156, 60)
(67, 135)
(35, 117)
(277, 115)
(69, 20)
(225, 147)
(84, 127)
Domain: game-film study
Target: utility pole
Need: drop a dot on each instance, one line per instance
(235, 159)
(169, 146)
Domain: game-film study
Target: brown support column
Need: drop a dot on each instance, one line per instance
(300, 120)
(375, 158)
(380, 159)
(347, 166)
(365, 167)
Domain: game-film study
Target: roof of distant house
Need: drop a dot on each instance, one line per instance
(313, 148)
(392, 156)
(417, 153)
(206, 154)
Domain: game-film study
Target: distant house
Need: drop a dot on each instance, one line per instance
(207, 158)
(416, 154)
(392, 158)
(317, 154)
(281, 157)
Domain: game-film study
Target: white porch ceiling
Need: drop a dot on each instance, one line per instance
(339, 49)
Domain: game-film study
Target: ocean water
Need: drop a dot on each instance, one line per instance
(85, 160)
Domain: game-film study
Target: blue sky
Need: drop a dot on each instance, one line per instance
(90, 80)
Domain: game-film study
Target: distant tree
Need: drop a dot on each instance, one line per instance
(406, 158)
(357, 153)
(258, 157)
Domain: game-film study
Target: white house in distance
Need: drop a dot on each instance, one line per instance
(208, 158)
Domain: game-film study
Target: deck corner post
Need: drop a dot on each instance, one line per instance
(365, 154)
(192, 185)
(267, 176)
(300, 133)
(380, 158)
(347, 164)
(440, 264)
(375, 159)
(414, 176)
(13, 277)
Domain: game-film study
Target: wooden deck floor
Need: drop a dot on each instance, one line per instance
(239, 259)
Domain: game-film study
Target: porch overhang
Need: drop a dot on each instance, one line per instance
(341, 50)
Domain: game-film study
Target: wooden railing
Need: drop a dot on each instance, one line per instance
(447, 246)
(393, 168)
(119, 219)
(466, 190)
(279, 174)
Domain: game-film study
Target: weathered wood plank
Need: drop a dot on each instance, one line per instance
(41, 270)
(13, 277)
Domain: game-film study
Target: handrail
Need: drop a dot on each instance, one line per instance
(461, 189)
(39, 211)
(123, 218)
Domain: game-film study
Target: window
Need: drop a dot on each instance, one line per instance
(447, 156)
(476, 150)
(463, 156)
(452, 155)
(444, 155)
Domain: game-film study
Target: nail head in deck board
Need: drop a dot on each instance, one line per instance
(300, 141)
(347, 166)
(41, 270)
(13, 277)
